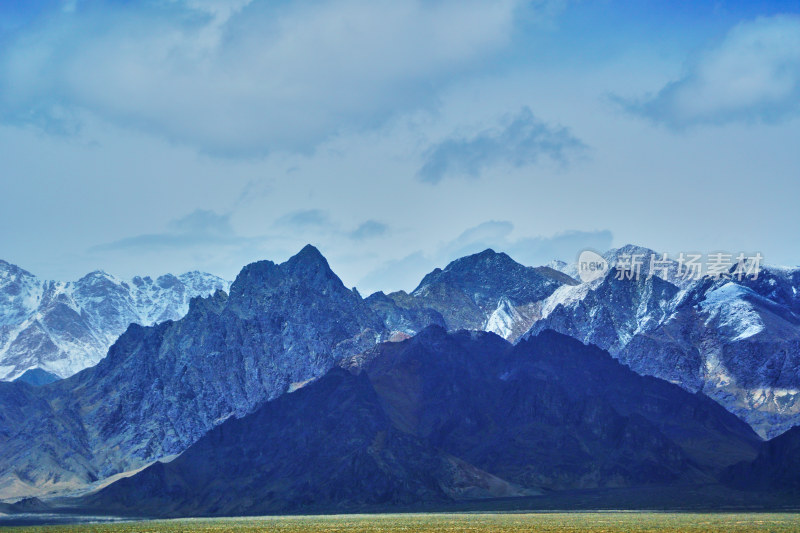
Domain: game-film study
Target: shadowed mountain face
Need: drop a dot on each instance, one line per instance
(486, 291)
(328, 445)
(776, 469)
(445, 417)
(542, 394)
(161, 388)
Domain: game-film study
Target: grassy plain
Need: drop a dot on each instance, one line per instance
(607, 522)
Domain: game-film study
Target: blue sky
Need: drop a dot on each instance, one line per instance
(170, 135)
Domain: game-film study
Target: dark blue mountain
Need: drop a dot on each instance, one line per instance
(445, 417)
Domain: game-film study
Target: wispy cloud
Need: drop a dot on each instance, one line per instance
(244, 78)
(406, 272)
(311, 223)
(532, 251)
(307, 218)
(369, 229)
(753, 74)
(397, 274)
(199, 228)
(519, 140)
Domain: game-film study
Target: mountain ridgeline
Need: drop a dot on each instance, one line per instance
(284, 395)
(737, 341)
(485, 291)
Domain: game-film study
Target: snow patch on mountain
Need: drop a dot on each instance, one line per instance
(567, 295)
(729, 307)
(504, 320)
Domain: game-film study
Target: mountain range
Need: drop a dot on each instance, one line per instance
(64, 327)
(161, 388)
(490, 380)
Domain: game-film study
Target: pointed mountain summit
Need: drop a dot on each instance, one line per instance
(308, 255)
(161, 388)
(488, 275)
(469, 291)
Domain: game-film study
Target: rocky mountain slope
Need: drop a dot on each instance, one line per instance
(443, 417)
(162, 387)
(64, 327)
(485, 291)
(738, 341)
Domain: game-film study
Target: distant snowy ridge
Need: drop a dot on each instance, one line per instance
(64, 327)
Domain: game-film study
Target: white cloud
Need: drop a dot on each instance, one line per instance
(303, 219)
(369, 229)
(200, 228)
(520, 140)
(754, 73)
(239, 78)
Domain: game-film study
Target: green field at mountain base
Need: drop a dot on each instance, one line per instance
(628, 522)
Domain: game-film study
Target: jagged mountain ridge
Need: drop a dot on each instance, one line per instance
(443, 417)
(64, 327)
(162, 387)
(484, 291)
